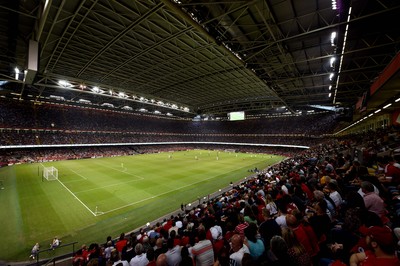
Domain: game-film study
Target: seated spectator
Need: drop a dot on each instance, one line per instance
(268, 228)
(382, 248)
(173, 254)
(254, 244)
(140, 259)
(372, 201)
(55, 243)
(296, 251)
(238, 249)
(202, 252)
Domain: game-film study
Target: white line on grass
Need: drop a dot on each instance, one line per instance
(119, 170)
(158, 195)
(116, 184)
(84, 205)
(78, 174)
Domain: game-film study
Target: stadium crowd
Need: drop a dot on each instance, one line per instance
(337, 203)
(334, 204)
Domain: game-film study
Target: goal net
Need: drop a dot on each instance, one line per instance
(50, 173)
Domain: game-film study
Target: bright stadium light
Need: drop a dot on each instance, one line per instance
(16, 73)
(386, 106)
(64, 83)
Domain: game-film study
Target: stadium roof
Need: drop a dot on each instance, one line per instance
(210, 57)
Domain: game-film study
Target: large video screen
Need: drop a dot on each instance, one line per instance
(235, 116)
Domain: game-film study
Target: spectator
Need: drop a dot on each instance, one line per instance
(254, 244)
(34, 251)
(382, 248)
(372, 201)
(296, 251)
(140, 259)
(202, 252)
(173, 254)
(239, 249)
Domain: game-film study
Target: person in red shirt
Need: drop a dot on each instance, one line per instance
(381, 248)
(121, 243)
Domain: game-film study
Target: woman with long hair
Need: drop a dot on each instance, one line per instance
(296, 251)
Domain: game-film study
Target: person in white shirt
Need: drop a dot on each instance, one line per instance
(140, 259)
(239, 249)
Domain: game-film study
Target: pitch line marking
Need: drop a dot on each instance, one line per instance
(77, 198)
(158, 195)
(78, 174)
(116, 169)
(116, 184)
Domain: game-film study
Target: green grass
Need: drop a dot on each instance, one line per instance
(127, 192)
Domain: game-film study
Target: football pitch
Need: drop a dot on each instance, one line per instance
(95, 198)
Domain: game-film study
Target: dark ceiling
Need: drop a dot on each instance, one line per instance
(212, 57)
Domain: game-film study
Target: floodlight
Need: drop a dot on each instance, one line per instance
(332, 60)
(64, 83)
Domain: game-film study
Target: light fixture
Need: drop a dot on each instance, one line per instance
(377, 111)
(331, 76)
(16, 72)
(330, 87)
(330, 94)
(332, 60)
(397, 100)
(334, 5)
(333, 36)
(64, 83)
(386, 106)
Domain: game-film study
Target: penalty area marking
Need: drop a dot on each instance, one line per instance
(84, 205)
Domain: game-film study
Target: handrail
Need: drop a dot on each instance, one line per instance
(54, 259)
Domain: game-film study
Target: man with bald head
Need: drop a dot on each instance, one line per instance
(239, 249)
(161, 260)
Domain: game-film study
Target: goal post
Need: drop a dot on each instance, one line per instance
(50, 173)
